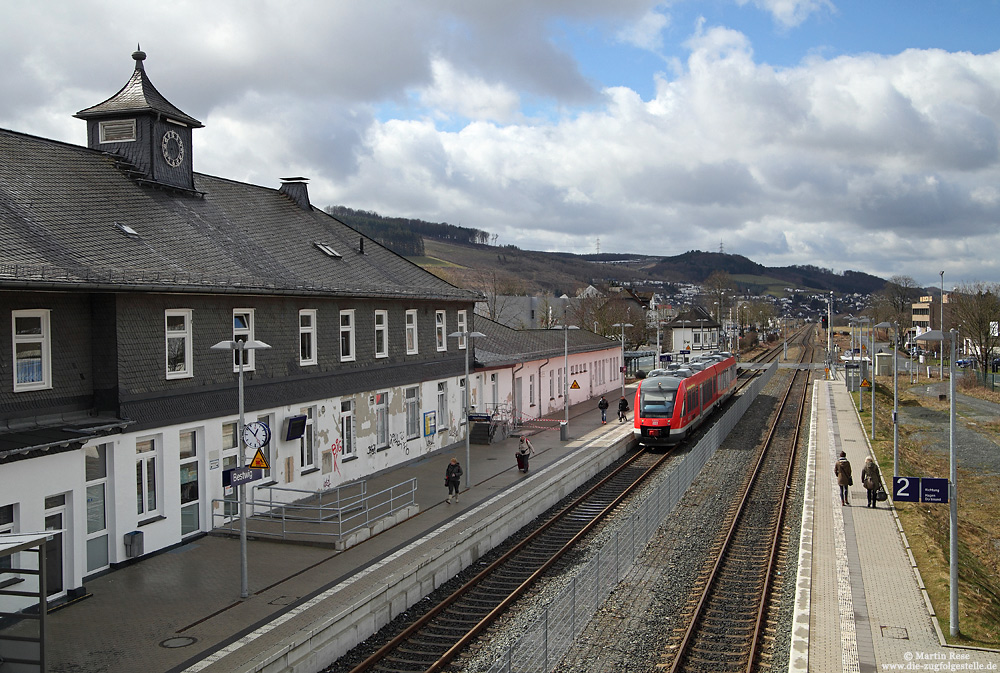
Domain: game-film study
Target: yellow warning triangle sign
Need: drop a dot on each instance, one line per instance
(259, 462)
(575, 386)
(865, 383)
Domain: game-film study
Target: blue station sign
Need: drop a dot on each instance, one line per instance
(919, 489)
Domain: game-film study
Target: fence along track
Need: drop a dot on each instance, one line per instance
(726, 626)
(435, 639)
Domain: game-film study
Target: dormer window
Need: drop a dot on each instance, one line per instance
(326, 249)
(117, 131)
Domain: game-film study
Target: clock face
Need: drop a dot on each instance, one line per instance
(256, 434)
(172, 147)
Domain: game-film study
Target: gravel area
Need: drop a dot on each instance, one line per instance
(634, 626)
(974, 451)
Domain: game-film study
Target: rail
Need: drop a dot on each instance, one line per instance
(333, 514)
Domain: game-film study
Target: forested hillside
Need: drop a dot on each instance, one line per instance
(463, 256)
(402, 235)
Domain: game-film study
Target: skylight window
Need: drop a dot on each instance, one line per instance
(127, 230)
(328, 250)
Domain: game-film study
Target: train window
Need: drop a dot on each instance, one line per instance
(656, 403)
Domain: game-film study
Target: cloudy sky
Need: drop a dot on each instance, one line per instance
(849, 135)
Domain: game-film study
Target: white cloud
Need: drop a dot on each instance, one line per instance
(647, 32)
(791, 13)
(453, 92)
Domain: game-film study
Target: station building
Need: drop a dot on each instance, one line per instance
(121, 267)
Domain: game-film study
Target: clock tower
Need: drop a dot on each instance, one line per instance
(141, 126)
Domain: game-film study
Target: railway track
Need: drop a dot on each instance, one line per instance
(726, 624)
(431, 642)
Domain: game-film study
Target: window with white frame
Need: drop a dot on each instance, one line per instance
(381, 334)
(7, 526)
(307, 337)
(552, 384)
(442, 406)
(32, 350)
(146, 458)
(531, 389)
(381, 421)
(559, 381)
(230, 460)
(307, 443)
(243, 331)
(440, 330)
(96, 471)
(347, 428)
(411, 331)
(265, 450)
(190, 487)
(465, 401)
(463, 328)
(178, 343)
(411, 402)
(347, 335)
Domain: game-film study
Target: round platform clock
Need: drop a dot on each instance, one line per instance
(172, 147)
(256, 434)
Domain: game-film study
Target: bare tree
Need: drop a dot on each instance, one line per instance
(975, 311)
(500, 288)
(717, 288)
(893, 302)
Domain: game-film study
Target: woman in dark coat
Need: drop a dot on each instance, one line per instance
(843, 471)
(453, 478)
(872, 480)
(622, 408)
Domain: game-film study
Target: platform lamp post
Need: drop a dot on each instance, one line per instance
(623, 325)
(895, 399)
(566, 328)
(239, 348)
(941, 336)
(468, 336)
(861, 361)
(941, 349)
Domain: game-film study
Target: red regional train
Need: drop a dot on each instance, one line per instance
(671, 403)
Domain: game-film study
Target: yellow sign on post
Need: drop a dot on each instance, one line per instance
(865, 383)
(259, 462)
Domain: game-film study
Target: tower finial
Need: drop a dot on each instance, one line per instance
(139, 55)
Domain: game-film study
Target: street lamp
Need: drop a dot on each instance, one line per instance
(895, 400)
(940, 336)
(621, 371)
(566, 328)
(240, 347)
(468, 336)
(941, 349)
(861, 362)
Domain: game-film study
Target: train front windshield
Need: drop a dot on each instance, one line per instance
(657, 403)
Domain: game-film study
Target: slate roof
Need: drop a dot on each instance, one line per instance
(137, 96)
(60, 204)
(697, 317)
(503, 345)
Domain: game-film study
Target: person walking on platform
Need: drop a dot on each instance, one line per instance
(453, 478)
(603, 406)
(524, 450)
(871, 480)
(843, 472)
(622, 408)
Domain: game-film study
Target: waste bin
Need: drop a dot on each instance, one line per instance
(563, 431)
(133, 544)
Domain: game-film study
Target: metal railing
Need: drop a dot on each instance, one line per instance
(565, 617)
(304, 515)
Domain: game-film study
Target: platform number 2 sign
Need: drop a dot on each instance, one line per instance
(906, 489)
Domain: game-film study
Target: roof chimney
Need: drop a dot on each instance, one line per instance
(297, 190)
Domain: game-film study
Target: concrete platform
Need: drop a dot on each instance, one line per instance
(860, 601)
(180, 610)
